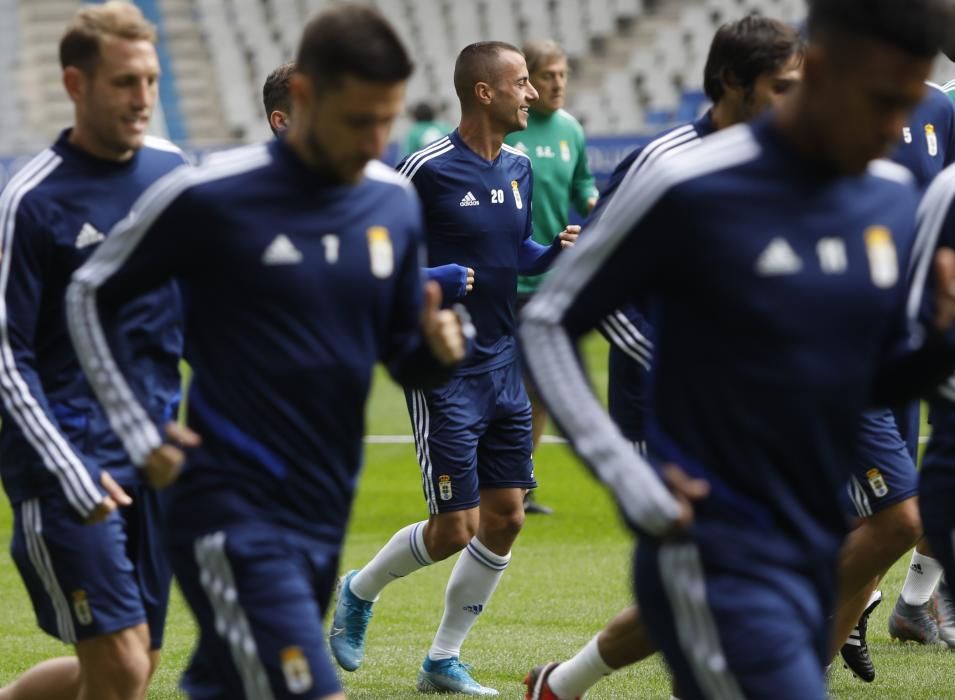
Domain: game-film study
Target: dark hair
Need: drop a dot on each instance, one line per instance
(354, 40)
(275, 91)
(746, 49)
(80, 44)
(477, 63)
(918, 27)
(423, 112)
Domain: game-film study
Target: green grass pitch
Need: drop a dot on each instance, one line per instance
(569, 574)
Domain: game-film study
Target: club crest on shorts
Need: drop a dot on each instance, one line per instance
(380, 252)
(877, 483)
(444, 487)
(81, 608)
(517, 195)
(298, 676)
(883, 261)
(931, 140)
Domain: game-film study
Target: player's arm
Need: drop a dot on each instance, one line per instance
(626, 250)
(26, 258)
(456, 281)
(625, 329)
(921, 353)
(140, 254)
(424, 342)
(534, 258)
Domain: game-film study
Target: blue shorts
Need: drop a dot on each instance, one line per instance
(756, 632)
(86, 581)
(472, 433)
(628, 394)
(259, 594)
(884, 473)
(937, 500)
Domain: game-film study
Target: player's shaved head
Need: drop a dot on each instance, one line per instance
(918, 27)
(478, 63)
(80, 45)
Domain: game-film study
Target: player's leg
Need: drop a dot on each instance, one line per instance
(624, 641)
(882, 488)
(912, 618)
(258, 595)
(936, 496)
(53, 679)
(538, 424)
(445, 423)
(728, 634)
(84, 592)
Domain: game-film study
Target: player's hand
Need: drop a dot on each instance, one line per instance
(441, 327)
(944, 289)
(470, 281)
(569, 236)
(165, 462)
(686, 490)
(115, 497)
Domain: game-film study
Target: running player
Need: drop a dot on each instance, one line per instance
(299, 260)
(101, 586)
(473, 435)
(778, 250)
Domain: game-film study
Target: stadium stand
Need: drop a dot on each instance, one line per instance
(637, 63)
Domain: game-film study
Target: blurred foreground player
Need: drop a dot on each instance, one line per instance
(299, 260)
(779, 249)
(96, 575)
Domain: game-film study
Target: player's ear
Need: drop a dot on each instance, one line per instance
(74, 80)
(483, 93)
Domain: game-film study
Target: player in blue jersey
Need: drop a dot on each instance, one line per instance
(772, 261)
(473, 435)
(299, 261)
(455, 280)
(95, 574)
(752, 65)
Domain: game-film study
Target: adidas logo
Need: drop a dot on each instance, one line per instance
(475, 609)
(282, 251)
(469, 200)
(778, 259)
(917, 568)
(88, 236)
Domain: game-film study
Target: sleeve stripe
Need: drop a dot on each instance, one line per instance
(414, 171)
(619, 335)
(557, 373)
(932, 214)
(40, 431)
(418, 155)
(127, 417)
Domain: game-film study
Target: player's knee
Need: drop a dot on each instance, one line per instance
(901, 527)
(504, 525)
(118, 666)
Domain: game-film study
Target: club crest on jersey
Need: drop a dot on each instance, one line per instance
(517, 195)
(877, 483)
(298, 676)
(931, 140)
(564, 151)
(380, 252)
(444, 487)
(81, 608)
(883, 260)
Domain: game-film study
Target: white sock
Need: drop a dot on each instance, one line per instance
(404, 553)
(575, 677)
(473, 580)
(921, 579)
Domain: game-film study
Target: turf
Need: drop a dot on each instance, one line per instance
(569, 574)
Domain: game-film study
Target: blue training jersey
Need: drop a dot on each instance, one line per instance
(55, 213)
(295, 287)
(777, 291)
(478, 214)
(629, 332)
(927, 145)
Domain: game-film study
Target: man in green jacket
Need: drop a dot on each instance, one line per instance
(555, 143)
